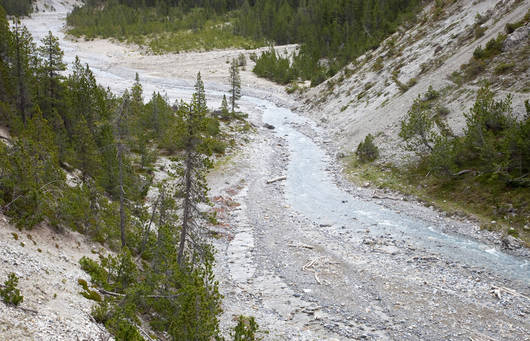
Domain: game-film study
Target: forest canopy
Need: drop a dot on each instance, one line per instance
(331, 33)
(17, 7)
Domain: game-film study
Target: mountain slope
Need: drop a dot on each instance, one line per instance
(364, 98)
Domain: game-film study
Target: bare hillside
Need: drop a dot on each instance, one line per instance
(372, 94)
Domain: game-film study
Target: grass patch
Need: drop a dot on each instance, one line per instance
(469, 194)
(206, 39)
(176, 31)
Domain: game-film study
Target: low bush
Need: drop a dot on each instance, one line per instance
(245, 329)
(367, 151)
(504, 68)
(9, 292)
(493, 48)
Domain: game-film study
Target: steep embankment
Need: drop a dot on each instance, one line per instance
(368, 98)
(47, 264)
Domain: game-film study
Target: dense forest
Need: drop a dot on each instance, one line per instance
(331, 33)
(78, 157)
(17, 7)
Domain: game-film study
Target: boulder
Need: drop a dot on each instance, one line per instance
(516, 38)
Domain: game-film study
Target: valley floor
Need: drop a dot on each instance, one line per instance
(305, 279)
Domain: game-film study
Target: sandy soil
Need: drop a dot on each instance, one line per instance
(47, 264)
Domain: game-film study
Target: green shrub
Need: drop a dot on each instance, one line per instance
(9, 292)
(417, 127)
(91, 295)
(246, 329)
(100, 312)
(473, 69)
(378, 65)
(510, 27)
(504, 68)
(367, 151)
(217, 147)
(493, 48)
(431, 94)
(479, 31)
(82, 283)
(272, 66)
(441, 160)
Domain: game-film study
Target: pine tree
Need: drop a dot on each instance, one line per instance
(23, 50)
(235, 84)
(193, 187)
(224, 106)
(121, 127)
(53, 64)
(200, 95)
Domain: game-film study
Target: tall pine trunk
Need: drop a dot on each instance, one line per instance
(187, 201)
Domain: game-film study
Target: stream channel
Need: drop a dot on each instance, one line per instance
(310, 189)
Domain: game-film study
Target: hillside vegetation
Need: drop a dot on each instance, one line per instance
(331, 33)
(17, 7)
(445, 102)
(79, 158)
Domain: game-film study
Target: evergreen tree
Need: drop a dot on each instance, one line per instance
(224, 106)
(200, 95)
(235, 84)
(53, 65)
(121, 128)
(23, 59)
(193, 187)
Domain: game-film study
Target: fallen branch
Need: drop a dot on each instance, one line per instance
(316, 278)
(462, 172)
(28, 310)
(281, 178)
(497, 291)
(116, 294)
(301, 245)
(377, 196)
(311, 263)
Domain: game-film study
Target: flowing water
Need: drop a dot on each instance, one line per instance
(311, 191)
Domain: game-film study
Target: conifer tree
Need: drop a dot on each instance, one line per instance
(23, 50)
(224, 106)
(5, 51)
(52, 58)
(235, 84)
(200, 95)
(193, 186)
(121, 127)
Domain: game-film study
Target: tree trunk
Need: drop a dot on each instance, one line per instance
(233, 95)
(21, 90)
(187, 203)
(122, 199)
